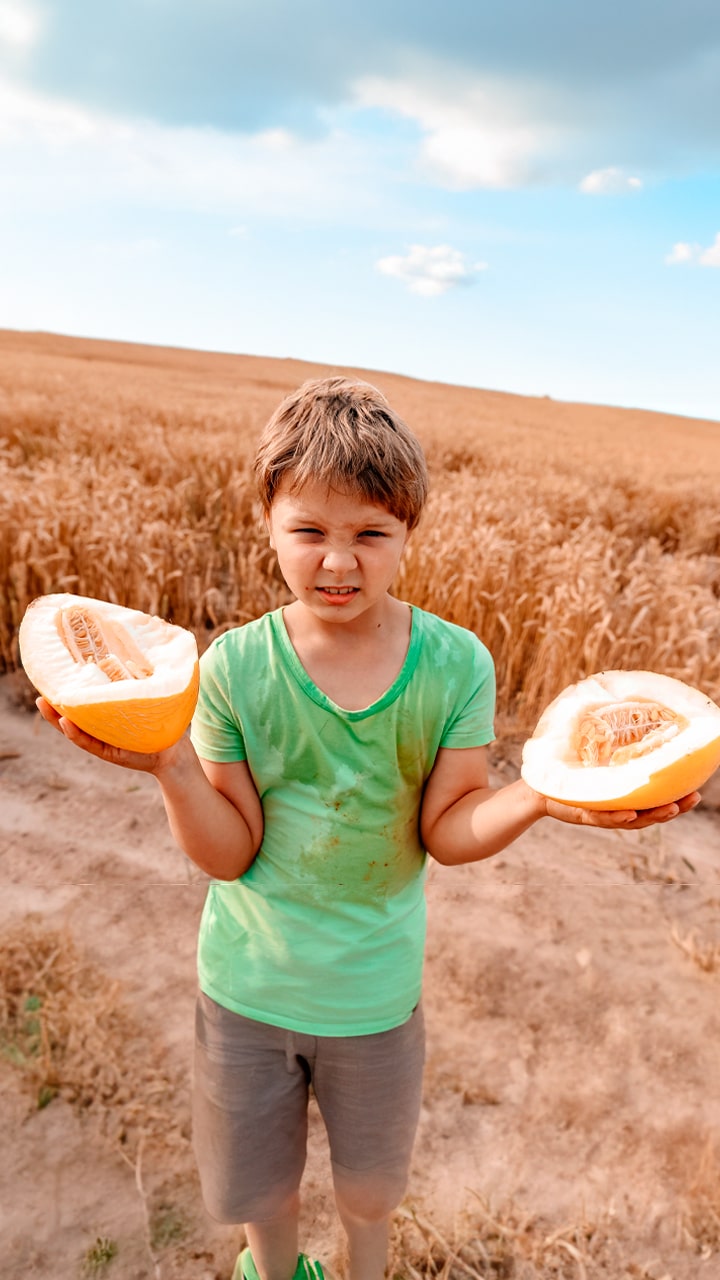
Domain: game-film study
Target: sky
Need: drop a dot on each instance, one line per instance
(519, 195)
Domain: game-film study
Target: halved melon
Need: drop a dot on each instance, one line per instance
(121, 675)
(624, 740)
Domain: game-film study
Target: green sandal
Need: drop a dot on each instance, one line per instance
(306, 1269)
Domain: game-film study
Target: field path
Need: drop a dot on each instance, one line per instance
(573, 1059)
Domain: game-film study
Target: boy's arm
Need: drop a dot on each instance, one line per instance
(214, 810)
(462, 819)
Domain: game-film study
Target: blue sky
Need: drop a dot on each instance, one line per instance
(522, 196)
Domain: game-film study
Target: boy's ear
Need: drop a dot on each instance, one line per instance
(268, 526)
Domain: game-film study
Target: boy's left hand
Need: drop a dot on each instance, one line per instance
(621, 819)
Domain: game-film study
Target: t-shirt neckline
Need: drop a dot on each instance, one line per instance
(318, 696)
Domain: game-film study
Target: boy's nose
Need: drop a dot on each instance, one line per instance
(339, 559)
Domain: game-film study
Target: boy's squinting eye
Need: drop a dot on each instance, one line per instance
(364, 533)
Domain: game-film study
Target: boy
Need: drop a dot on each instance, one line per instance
(337, 743)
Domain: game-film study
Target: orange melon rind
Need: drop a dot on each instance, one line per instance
(667, 758)
(126, 677)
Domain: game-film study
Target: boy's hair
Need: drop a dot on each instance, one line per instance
(343, 433)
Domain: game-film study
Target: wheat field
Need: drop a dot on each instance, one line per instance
(571, 538)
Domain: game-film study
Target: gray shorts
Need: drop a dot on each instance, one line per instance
(250, 1097)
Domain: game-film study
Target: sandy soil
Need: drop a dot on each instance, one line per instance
(573, 1065)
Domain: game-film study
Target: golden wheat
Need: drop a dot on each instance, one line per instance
(570, 539)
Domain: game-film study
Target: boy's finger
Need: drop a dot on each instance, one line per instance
(136, 760)
(624, 819)
(46, 710)
(577, 816)
(665, 812)
(77, 735)
(95, 746)
(610, 817)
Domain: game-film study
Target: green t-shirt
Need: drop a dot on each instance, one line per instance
(325, 931)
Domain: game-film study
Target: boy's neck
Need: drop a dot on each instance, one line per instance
(353, 663)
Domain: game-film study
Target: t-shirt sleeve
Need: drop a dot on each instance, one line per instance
(471, 723)
(216, 731)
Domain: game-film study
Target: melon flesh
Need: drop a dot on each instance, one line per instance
(123, 676)
(624, 740)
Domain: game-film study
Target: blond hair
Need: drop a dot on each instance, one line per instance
(343, 433)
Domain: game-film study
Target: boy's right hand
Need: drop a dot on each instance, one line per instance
(139, 760)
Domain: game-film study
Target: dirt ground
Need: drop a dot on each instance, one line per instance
(573, 1019)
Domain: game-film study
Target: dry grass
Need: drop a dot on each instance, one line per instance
(68, 1031)
(704, 952)
(700, 1216)
(65, 1025)
(571, 539)
(506, 1244)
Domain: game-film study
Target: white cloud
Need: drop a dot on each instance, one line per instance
(28, 118)
(683, 254)
(477, 134)
(58, 154)
(609, 182)
(275, 139)
(431, 270)
(20, 24)
(711, 257)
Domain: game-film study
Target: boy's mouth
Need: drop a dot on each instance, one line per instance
(337, 593)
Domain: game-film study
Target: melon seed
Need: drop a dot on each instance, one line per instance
(622, 731)
(109, 645)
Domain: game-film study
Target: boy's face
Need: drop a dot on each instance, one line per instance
(337, 552)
